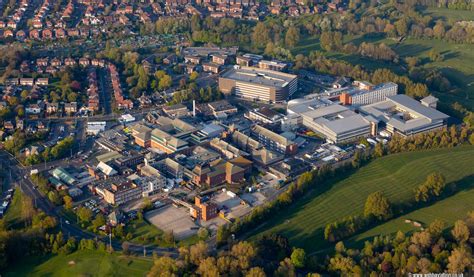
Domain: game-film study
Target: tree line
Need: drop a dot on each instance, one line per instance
(428, 250)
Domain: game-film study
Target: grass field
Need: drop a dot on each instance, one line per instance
(457, 65)
(83, 263)
(13, 216)
(395, 175)
(449, 14)
(142, 231)
(447, 210)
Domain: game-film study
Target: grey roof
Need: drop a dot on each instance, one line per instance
(420, 115)
(259, 76)
(430, 99)
(338, 119)
(414, 106)
(271, 135)
(301, 105)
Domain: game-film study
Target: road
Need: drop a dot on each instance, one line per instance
(18, 174)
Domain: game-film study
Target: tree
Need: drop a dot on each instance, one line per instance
(292, 37)
(163, 266)
(436, 228)
(203, 233)
(286, 269)
(469, 119)
(98, 221)
(255, 272)
(165, 82)
(54, 197)
(439, 30)
(459, 260)
(379, 150)
(401, 26)
(298, 257)
(260, 35)
(460, 231)
(193, 76)
(67, 202)
(208, 268)
(168, 237)
(431, 188)
(377, 205)
(143, 78)
(471, 139)
(84, 214)
(24, 94)
(125, 248)
(198, 252)
(146, 204)
(412, 62)
(435, 56)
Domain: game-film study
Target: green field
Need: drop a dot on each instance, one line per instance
(83, 263)
(447, 210)
(143, 232)
(457, 65)
(13, 216)
(395, 175)
(449, 14)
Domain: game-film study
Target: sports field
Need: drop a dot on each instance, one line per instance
(84, 263)
(395, 175)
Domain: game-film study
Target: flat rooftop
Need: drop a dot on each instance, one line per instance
(404, 112)
(337, 118)
(259, 76)
(206, 51)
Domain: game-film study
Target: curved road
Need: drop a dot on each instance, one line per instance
(18, 175)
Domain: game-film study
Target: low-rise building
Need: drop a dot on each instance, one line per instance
(290, 168)
(264, 115)
(177, 110)
(272, 65)
(405, 116)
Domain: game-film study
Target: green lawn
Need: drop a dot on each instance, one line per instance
(83, 263)
(449, 14)
(395, 175)
(142, 231)
(457, 65)
(447, 210)
(13, 216)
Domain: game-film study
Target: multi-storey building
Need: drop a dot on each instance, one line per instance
(258, 84)
(366, 93)
(274, 141)
(117, 194)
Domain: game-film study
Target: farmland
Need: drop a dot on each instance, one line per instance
(395, 175)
